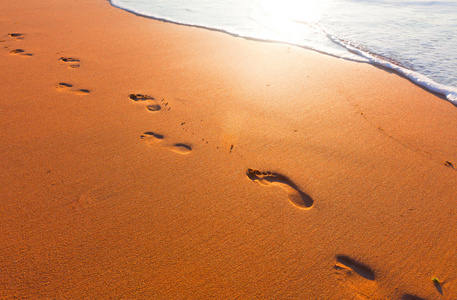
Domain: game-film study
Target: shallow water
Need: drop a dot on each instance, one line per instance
(416, 38)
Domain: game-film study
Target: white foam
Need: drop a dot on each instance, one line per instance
(449, 92)
(254, 19)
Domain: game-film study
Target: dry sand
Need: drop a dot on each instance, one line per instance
(157, 161)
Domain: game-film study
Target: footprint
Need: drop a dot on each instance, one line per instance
(449, 164)
(66, 87)
(71, 61)
(140, 97)
(181, 148)
(152, 138)
(17, 36)
(296, 196)
(154, 107)
(347, 263)
(81, 92)
(63, 86)
(20, 52)
(357, 277)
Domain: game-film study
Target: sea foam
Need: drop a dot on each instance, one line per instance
(414, 38)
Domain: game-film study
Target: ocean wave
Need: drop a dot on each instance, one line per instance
(258, 24)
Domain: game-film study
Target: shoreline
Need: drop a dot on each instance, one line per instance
(147, 160)
(446, 92)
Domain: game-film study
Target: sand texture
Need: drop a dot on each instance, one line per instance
(147, 160)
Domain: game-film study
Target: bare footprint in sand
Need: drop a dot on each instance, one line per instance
(20, 52)
(140, 97)
(344, 262)
(71, 61)
(296, 196)
(152, 138)
(62, 86)
(154, 107)
(357, 277)
(81, 92)
(17, 35)
(151, 104)
(66, 87)
(181, 148)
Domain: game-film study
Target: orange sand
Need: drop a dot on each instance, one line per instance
(260, 171)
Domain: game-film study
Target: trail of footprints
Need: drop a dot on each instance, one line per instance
(295, 195)
(152, 138)
(355, 275)
(72, 63)
(17, 51)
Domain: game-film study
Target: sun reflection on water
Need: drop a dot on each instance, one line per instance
(294, 19)
(296, 10)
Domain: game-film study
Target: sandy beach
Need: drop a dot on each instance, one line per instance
(149, 160)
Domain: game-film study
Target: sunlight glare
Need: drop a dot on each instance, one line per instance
(295, 10)
(294, 19)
